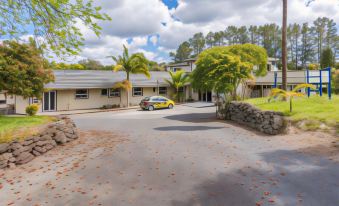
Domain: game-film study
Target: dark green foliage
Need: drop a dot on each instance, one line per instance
(23, 70)
(91, 64)
(327, 58)
(305, 42)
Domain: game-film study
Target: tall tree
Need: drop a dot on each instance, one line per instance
(242, 35)
(23, 70)
(219, 38)
(307, 50)
(230, 35)
(197, 43)
(294, 31)
(327, 58)
(254, 34)
(54, 23)
(319, 31)
(130, 64)
(183, 52)
(284, 46)
(210, 39)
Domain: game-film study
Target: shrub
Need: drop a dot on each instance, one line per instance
(32, 109)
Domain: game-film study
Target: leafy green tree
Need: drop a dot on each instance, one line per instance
(54, 22)
(178, 80)
(222, 69)
(131, 64)
(327, 58)
(23, 70)
(91, 64)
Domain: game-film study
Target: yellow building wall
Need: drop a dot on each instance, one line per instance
(66, 100)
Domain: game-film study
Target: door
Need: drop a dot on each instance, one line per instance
(50, 101)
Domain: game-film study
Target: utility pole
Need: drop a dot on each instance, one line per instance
(284, 46)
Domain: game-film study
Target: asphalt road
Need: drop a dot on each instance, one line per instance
(179, 157)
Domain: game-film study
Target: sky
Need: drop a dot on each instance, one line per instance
(157, 27)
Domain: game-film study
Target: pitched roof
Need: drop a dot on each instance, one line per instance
(78, 79)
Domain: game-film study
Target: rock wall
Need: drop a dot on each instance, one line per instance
(268, 122)
(56, 133)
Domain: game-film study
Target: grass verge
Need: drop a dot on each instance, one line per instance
(314, 110)
(15, 127)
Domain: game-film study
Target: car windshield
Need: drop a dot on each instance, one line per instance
(146, 99)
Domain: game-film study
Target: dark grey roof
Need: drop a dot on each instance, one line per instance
(73, 79)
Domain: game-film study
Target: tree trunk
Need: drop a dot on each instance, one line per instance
(127, 90)
(290, 104)
(284, 48)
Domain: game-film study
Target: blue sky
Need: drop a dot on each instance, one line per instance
(170, 3)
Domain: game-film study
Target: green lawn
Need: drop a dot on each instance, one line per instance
(314, 108)
(19, 127)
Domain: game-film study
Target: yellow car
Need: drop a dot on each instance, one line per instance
(156, 102)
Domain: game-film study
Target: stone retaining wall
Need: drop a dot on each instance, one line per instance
(268, 122)
(56, 133)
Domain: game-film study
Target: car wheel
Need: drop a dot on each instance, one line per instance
(170, 106)
(150, 108)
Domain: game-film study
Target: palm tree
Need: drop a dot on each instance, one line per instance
(177, 81)
(284, 46)
(131, 64)
(290, 94)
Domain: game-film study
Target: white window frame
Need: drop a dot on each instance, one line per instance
(163, 92)
(114, 93)
(137, 93)
(34, 100)
(82, 96)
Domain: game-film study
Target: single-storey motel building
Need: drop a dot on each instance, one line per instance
(92, 89)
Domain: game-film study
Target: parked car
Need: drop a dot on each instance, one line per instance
(156, 102)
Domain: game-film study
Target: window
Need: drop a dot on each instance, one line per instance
(114, 92)
(181, 89)
(81, 94)
(137, 91)
(163, 90)
(34, 100)
(104, 92)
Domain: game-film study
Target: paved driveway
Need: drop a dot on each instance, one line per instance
(179, 157)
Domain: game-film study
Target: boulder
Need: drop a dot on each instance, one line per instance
(3, 147)
(40, 149)
(36, 153)
(60, 138)
(24, 158)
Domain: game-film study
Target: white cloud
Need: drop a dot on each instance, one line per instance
(141, 21)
